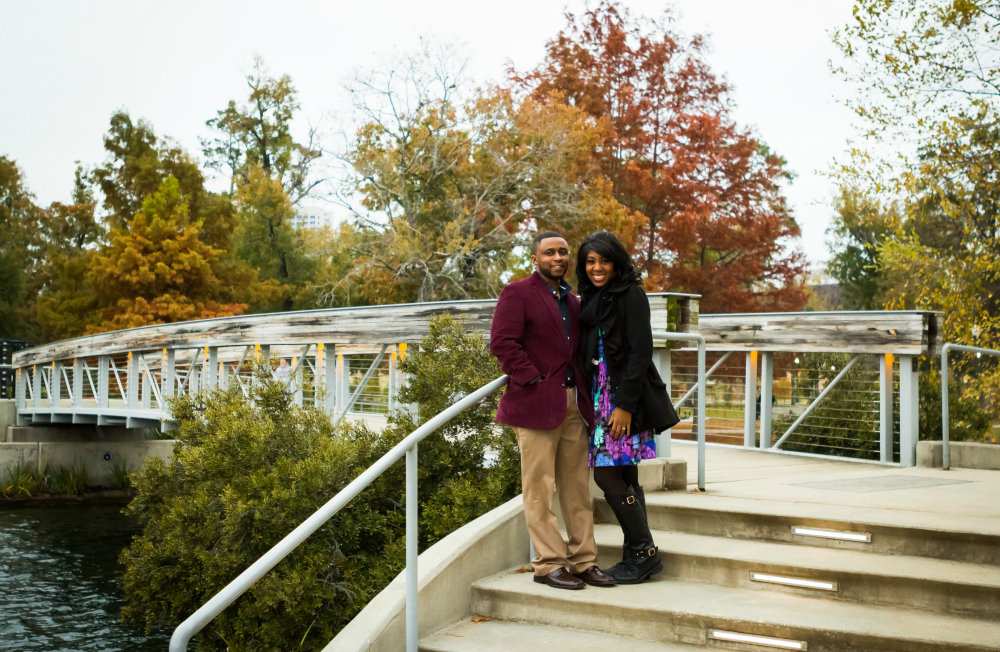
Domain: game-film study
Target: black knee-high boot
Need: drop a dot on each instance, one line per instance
(640, 558)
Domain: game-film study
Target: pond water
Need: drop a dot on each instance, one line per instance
(58, 588)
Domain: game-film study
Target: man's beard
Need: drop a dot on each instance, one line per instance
(547, 273)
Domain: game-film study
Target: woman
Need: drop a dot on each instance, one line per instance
(631, 403)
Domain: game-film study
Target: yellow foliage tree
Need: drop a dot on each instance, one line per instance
(158, 270)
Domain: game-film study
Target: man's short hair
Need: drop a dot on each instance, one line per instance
(541, 236)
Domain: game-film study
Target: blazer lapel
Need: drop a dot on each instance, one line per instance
(545, 291)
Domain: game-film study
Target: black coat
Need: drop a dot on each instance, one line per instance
(624, 321)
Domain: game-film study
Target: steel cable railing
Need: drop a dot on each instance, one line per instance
(200, 618)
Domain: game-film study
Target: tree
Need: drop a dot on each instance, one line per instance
(448, 183)
(137, 166)
(18, 228)
(267, 243)
(860, 227)
(717, 219)
(918, 63)
(71, 237)
(258, 134)
(158, 270)
(927, 76)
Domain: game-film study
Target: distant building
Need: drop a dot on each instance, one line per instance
(310, 221)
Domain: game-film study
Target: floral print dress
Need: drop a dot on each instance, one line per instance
(604, 450)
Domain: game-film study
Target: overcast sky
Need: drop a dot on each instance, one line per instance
(66, 66)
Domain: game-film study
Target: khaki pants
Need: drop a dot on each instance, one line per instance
(558, 459)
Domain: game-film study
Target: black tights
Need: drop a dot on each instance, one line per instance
(615, 480)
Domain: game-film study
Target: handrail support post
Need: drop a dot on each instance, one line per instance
(411, 550)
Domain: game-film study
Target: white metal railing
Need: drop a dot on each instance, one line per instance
(134, 387)
(700, 340)
(945, 425)
(859, 406)
(197, 621)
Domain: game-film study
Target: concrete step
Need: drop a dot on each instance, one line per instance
(936, 585)
(488, 635)
(892, 533)
(688, 613)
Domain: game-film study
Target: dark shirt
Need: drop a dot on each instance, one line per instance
(560, 299)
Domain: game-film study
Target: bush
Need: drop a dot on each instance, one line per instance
(247, 470)
(967, 421)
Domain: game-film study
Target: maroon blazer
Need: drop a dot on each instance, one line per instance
(529, 341)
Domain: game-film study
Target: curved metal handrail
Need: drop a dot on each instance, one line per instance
(197, 621)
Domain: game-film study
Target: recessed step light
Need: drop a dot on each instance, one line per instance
(797, 582)
(839, 535)
(767, 641)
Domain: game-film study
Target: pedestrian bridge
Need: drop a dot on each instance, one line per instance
(763, 389)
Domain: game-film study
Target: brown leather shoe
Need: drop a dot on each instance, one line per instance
(594, 577)
(561, 579)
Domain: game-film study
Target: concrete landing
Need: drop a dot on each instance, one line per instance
(488, 635)
(962, 500)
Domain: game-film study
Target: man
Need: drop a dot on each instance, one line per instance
(535, 336)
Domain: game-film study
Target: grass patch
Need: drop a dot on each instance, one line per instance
(22, 480)
(69, 479)
(121, 477)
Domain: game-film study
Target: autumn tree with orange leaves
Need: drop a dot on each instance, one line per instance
(718, 223)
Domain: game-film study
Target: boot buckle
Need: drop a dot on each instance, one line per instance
(629, 500)
(651, 552)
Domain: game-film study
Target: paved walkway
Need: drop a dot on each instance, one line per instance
(959, 499)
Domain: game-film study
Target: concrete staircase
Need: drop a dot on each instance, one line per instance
(913, 587)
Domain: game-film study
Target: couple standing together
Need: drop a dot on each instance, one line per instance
(583, 392)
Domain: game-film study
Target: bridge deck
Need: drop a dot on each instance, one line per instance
(792, 485)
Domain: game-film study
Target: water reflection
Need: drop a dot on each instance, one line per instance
(58, 590)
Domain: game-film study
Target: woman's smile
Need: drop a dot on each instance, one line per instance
(599, 269)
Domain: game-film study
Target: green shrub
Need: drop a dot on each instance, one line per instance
(967, 421)
(248, 469)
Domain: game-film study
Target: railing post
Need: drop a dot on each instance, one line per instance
(661, 358)
(945, 425)
(766, 379)
(392, 376)
(885, 407)
(343, 381)
(78, 379)
(20, 388)
(167, 378)
(102, 382)
(36, 385)
(147, 379)
(132, 382)
(55, 385)
(330, 377)
(750, 402)
(212, 367)
(701, 414)
(224, 374)
(297, 363)
(909, 410)
(411, 550)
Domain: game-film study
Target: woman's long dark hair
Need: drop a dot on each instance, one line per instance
(604, 244)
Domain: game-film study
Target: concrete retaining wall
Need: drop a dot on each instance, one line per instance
(99, 458)
(492, 543)
(8, 414)
(964, 455)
